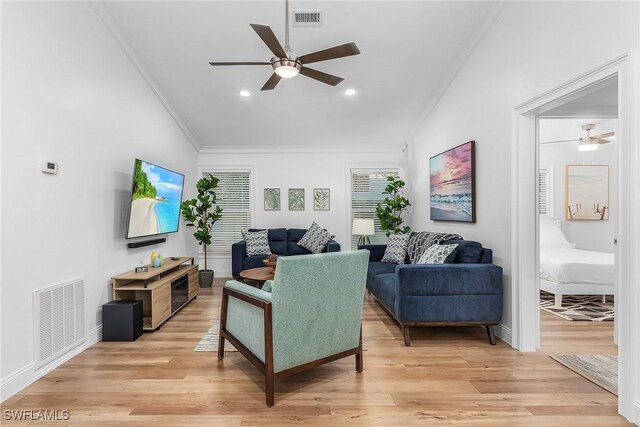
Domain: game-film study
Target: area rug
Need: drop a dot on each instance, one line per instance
(210, 341)
(600, 370)
(579, 307)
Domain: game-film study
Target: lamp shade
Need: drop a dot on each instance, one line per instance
(363, 227)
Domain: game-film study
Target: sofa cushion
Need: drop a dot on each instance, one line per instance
(293, 237)
(315, 239)
(468, 251)
(257, 242)
(396, 248)
(376, 268)
(277, 239)
(254, 261)
(384, 288)
(439, 254)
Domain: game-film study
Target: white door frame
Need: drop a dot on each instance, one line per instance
(525, 221)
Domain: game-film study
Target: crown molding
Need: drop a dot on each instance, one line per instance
(461, 60)
(114, 29)
(299, 150)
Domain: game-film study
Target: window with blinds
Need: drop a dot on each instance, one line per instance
(366, 193)
(543, 192)
(233, 196)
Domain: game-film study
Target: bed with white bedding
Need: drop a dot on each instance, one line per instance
(565, 270)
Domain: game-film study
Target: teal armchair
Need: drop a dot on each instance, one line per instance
(312, 316)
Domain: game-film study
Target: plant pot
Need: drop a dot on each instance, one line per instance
(205, 277)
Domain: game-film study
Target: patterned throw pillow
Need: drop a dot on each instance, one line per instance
(257, 242)
(396, 248)
(315, 239)
(438, 254)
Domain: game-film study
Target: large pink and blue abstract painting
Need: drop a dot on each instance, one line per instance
(452, 176)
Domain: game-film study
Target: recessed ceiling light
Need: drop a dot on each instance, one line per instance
(245, 93)
(350, 92)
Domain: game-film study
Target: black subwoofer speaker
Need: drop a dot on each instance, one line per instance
(122, 320)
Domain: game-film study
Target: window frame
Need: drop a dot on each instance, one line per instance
(352, 169)
(252, 197)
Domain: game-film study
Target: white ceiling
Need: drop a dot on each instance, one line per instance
(407, 50)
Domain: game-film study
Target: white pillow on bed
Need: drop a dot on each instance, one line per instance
(551, 236)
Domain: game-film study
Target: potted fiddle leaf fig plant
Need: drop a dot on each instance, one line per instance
(390, 212)
(201, 213)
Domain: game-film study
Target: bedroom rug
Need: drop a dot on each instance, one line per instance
(579, 307)
(210, 341)
(600, 370)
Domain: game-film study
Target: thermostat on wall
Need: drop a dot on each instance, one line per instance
(49, 167)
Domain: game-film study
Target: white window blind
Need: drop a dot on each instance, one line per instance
(366, 193)
(543, 192)
(233, 196)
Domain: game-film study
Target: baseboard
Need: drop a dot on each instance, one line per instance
(24, 377)
(636, 412)
(504, 333)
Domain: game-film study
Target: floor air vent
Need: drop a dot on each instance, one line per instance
(307, 18)
(59, 320)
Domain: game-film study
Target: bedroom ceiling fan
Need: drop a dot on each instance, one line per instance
(286, 64)
(588, 142)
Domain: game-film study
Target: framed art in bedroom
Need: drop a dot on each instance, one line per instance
(452, 184)
(586, 192)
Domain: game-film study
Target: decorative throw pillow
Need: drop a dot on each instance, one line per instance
(439, 254)
(257, 242)
(396, 248)
(315, 239)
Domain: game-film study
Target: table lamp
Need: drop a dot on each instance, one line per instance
(363, 228)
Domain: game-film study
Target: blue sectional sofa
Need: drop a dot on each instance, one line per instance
(465, 292)
(282, 241)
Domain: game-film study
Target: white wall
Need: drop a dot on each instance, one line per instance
(308, 170)
(531, 47)
(69, 94)
(589, 235)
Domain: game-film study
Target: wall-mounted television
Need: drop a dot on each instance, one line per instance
(155, 200)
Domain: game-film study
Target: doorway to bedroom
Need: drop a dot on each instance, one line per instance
(577, 202)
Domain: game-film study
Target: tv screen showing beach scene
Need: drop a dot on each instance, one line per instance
(452, 184)
(155, 200)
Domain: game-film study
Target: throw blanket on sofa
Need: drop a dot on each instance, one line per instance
(419, 242)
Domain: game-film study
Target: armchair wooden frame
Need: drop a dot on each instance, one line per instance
(266, 367)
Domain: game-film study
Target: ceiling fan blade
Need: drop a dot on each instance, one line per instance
(335, 52)
(599, 141)
(218, 63)
(272, 82)
(266, 34)
(564, 140)
(320, 76)
(603, 135)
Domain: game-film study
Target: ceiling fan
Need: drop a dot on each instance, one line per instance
(286, 64)
(588, 142)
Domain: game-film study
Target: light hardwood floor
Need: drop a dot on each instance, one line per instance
(450, 376)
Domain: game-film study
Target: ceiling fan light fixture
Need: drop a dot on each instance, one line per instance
(587, 146)
(286, 68)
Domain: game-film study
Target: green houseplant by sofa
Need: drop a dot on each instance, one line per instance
(313, 315)
(201, 213)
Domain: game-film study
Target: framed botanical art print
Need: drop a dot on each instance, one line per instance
(271, 199)
(452, 183)
(296, 199)
(321, 199)
(586, 192)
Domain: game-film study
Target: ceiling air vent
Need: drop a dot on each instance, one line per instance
(307, 18)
